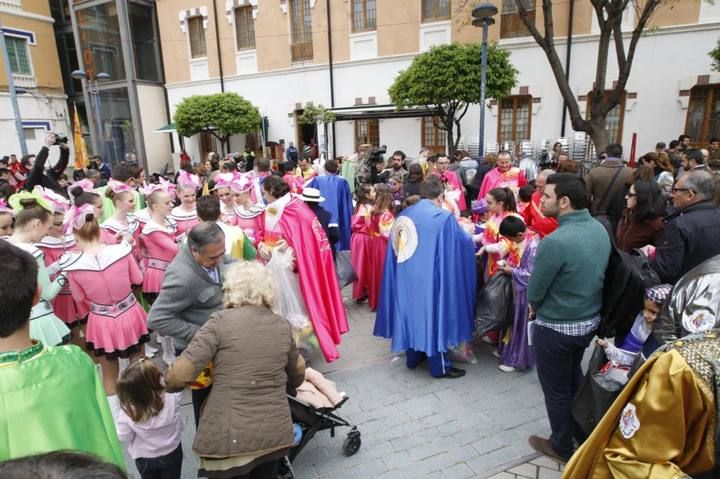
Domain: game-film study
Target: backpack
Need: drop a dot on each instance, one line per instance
(627, 276)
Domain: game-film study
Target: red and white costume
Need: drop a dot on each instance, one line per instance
(185, 220)
(159, 249)
(66, 308)
(117, 324)
(250, 220)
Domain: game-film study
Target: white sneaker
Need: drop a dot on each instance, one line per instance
(506, 369)
(487, 340)
(496, 353)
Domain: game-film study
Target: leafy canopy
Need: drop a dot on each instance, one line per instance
(451, 74)
(316, 113)
(715, 56)
(222, 114)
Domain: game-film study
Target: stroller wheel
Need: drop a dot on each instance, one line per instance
(352, 442)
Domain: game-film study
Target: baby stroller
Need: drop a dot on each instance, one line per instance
(311, 421)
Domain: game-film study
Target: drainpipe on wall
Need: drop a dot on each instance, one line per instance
(220, 65)
(567, 62)
(332, 79)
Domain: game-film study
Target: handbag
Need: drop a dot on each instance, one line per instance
(343, 267)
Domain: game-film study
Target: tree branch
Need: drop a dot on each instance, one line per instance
(458, 116)
(548, 46)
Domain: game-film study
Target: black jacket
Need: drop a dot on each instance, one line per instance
(691, 236)
(324, 216)
(48, 178)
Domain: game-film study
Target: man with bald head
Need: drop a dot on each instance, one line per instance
(691, 233)
(533, 215)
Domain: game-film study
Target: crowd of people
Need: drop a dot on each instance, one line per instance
(237, 267)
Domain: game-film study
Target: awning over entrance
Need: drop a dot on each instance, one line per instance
(364, 112)
(169, 128)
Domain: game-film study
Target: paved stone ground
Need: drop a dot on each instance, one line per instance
(415, 426)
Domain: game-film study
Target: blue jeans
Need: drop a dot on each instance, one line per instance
(558, 357)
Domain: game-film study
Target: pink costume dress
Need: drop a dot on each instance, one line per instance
(66, 308)
(491, 236)
(159, 248)
(514, 179)
(117, 324)
(227, 215)
(380, 226)
(452, 182)
(112, 232)
(251, 222)
(359, 246)
(184, 220)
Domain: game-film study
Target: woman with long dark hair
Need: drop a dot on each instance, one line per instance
(381, 222)
(360, 239)
(641, 221)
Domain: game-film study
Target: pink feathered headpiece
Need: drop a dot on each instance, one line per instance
(59, 203)
(118, 186)
(86, 185)
(188, 179)
(224, 180)
(76, 217)
(242, 183)
(5, 208)
(163, 185)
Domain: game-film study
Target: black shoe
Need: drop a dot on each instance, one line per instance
(454, 373)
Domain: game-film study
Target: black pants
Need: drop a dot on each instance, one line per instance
(558, 358)
(168, 466)
(198, 396)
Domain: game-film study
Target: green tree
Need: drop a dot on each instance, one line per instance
(446, 79)
(715, 56)
(609, 16)
(314, 114)
(221, 114)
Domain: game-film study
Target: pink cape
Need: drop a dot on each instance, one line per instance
(316, 271)
(359, 246)
(514, 178)
(452, 180)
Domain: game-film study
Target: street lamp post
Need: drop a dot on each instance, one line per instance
(92, 86)
(482, 17)
(13, 93)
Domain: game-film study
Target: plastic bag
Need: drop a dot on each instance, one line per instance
(494, 305)
(344, 269)
(462, 353)
(290, 300)
(596, 394)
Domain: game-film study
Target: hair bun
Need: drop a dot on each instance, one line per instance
(76, 191)
(28, 203)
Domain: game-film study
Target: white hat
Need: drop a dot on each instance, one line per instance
(311, 195)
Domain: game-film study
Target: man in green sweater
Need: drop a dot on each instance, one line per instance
(565, 291)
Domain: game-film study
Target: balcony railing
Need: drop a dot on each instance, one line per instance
(301, 52)
(24, 81)
(11, 4)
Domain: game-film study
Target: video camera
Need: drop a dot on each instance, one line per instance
(375, 155)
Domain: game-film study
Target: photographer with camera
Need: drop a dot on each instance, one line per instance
(49, 178)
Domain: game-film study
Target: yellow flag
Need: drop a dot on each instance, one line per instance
(81, 156)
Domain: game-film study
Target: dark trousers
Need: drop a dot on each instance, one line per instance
(266, 470)
(439, 364)
(168, 466)
(558, 359)
(198, 396)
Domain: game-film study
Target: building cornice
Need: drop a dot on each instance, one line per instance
(23, 14)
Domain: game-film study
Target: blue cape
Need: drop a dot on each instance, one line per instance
(427, 299)
(338, 201)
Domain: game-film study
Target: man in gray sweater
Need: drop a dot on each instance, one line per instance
(191, 292)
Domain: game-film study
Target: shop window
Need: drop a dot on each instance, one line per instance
(363, 15)
(198, 46)
(432, 136)
(367, 132)
(614, 119)
(514, 118)
(301, 46)
(244, 28)
(435, 10)
(703, 117)
(511, 25)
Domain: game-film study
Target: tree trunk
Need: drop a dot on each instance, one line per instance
(598, 134)
(450, 137)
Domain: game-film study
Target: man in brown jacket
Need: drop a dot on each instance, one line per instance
(605, 180)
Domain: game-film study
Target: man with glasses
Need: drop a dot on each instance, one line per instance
(450, 179)
(692, 232)
(191, 292)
